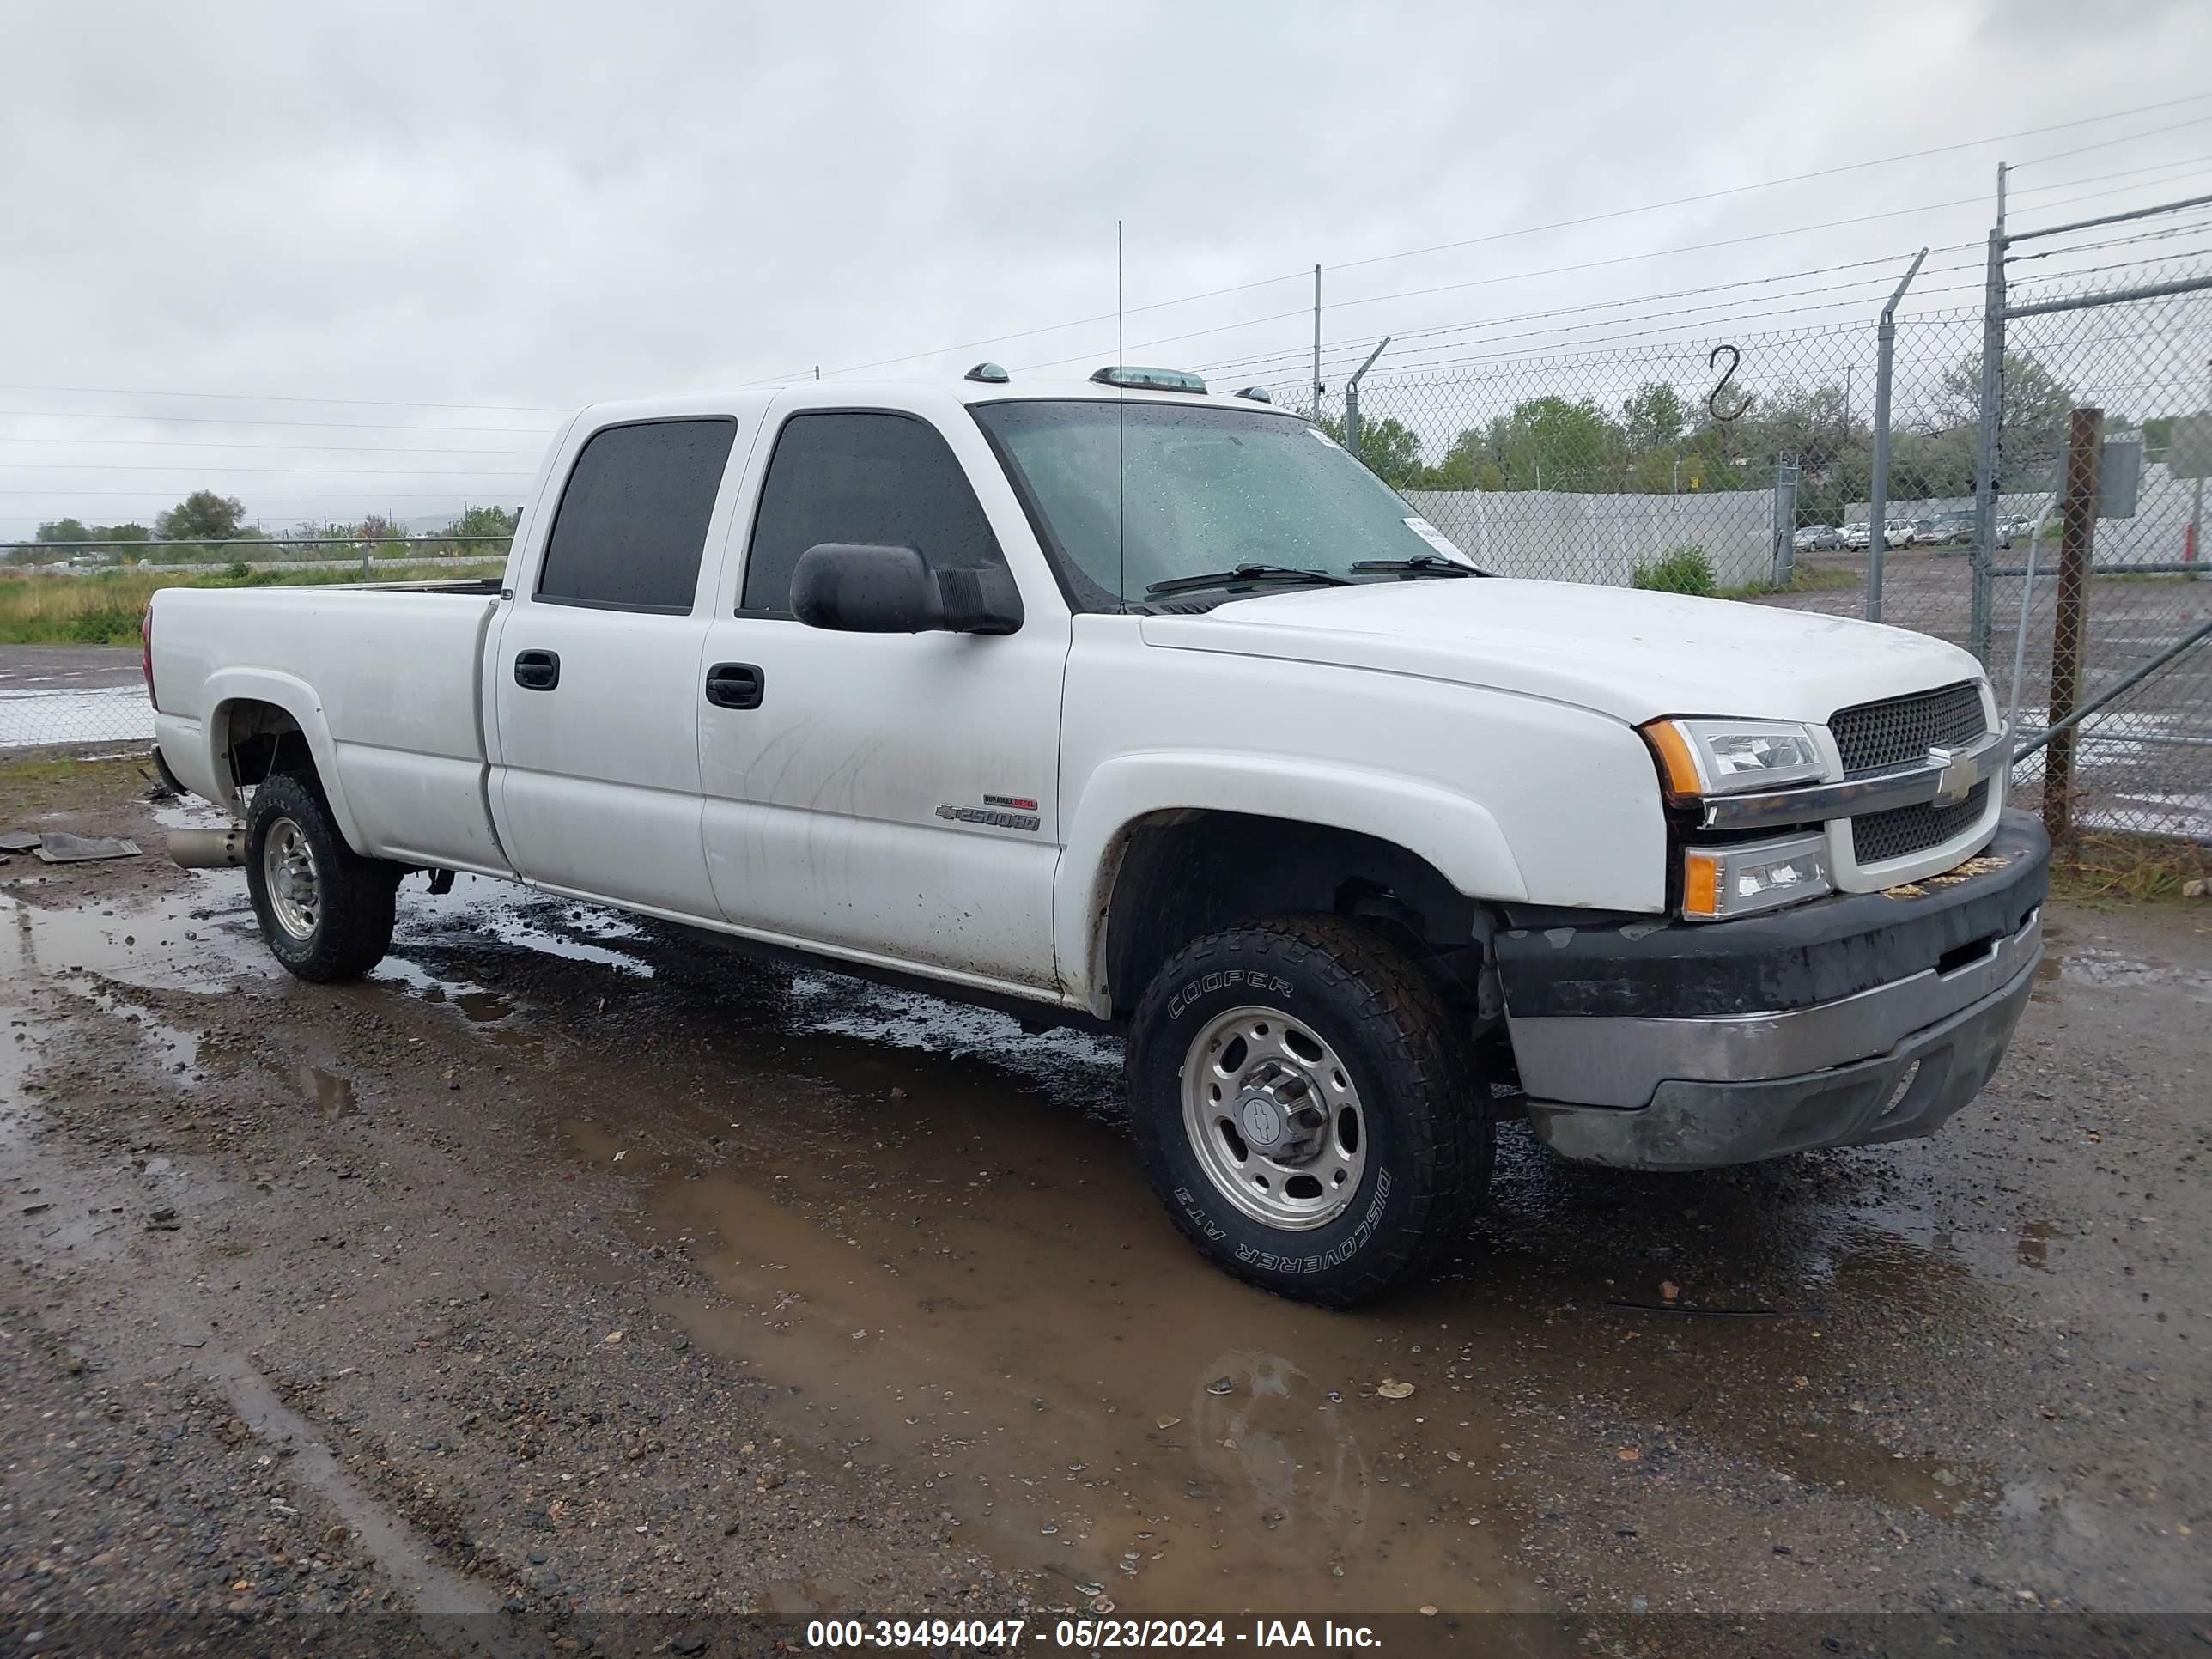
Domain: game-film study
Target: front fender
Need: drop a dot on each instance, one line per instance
(1458, 835)
(230, 686)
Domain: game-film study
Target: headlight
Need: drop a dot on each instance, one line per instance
(1726, 757)
(1721, 882)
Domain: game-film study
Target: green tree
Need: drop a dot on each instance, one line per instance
(1653, 417)
(123, 532)
(1549, 443)
(2031, 412)
(1390, 449)
(485, 521)
(64, 530)
(203, 516)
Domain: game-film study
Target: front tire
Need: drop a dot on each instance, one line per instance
(1307, 1107)
(326, 910)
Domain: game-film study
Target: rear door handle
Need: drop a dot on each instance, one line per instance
(538, 671)
(735, 685)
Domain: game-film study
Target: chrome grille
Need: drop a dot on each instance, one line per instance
(1906, 830)
(1899, 730)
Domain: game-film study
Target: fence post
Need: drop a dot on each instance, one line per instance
(1982, 554)
(1785, 523)
(2085, 432)
(1878, 481)
(1351, 398)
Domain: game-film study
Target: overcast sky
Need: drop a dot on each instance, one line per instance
(548, 204)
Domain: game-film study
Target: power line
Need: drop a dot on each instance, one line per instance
(1594, 264)
(259, 495)
(279, 398)
(2125, 138)
(217, 467)
(263, 420)
(1353, 347)
(296, 449)
(1525, 230)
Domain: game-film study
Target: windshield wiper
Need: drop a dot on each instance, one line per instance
(1247, 573)
(1425, 564)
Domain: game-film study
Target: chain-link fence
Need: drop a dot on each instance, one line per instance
(1696, 454)
(2102, 349)
(70, 673)
(1745, 463)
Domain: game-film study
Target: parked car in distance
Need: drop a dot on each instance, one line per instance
(1122, 705)
(1951, 529)
(1818, 538)
(1858, 536)
(1920, 532)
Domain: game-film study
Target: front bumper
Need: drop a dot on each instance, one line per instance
(1858, 1019)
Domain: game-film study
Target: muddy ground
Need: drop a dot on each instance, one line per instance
(559, 1269)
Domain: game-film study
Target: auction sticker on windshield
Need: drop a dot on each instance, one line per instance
(1436, 538)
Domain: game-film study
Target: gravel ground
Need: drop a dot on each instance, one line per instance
(556, 1270)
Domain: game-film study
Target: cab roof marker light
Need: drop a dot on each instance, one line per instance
(989, 374)
(1258, 394)
(1134, 378)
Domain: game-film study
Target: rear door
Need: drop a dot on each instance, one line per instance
(595, 673)
(890, 796)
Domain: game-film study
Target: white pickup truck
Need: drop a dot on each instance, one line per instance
(1123, 704)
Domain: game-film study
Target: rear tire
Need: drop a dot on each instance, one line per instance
(326, 910)
(1307, 1107)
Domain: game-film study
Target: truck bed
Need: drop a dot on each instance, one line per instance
(393, 671)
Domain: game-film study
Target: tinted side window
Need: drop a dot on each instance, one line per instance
(878, 478)
(633, 521)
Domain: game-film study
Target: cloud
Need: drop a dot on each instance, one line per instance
(553, 204)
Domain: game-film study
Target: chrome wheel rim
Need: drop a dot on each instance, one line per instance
(1274, 1118)
(288, 869)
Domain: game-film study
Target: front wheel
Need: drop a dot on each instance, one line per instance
(1307, 1107)
(326, 910)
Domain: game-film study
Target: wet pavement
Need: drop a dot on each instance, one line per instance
(838, 1299)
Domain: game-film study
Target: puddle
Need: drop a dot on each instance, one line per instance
(175, 1050)
(334, 1095)
(949, 1260)
(2035, 1241)
(2066, 962)
(188, 941)
(1083, 1393)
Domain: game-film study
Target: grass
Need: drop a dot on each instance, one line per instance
(2103, 864)
(1685, 569)
(51, 782)
(1803, 579)
(104, 608)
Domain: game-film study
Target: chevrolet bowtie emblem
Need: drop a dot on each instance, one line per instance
(1960, 774)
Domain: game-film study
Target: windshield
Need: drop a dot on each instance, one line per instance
(1205, 488)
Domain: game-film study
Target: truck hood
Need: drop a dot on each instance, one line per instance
(1622, 652)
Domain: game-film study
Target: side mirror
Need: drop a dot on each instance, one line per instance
(858, 588)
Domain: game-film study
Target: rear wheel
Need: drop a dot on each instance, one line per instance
(326, 910)
(1307, 1107)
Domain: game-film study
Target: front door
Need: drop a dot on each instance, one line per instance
(889, 796)
(595, 673)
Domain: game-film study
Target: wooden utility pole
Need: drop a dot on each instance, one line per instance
(2084, 435)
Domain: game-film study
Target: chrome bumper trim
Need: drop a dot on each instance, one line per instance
(1946, 774)
(1598, 1060)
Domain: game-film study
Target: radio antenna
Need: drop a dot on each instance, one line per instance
(1121, 431)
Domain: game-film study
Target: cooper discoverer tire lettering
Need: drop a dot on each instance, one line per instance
(1306, 1106)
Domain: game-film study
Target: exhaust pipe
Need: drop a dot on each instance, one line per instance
(208, 849)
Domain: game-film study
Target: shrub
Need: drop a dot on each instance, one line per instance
(1679, 570)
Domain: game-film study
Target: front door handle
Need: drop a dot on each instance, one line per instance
(538, 671)
(735, 685)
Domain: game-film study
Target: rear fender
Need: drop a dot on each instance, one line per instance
(230, 687)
